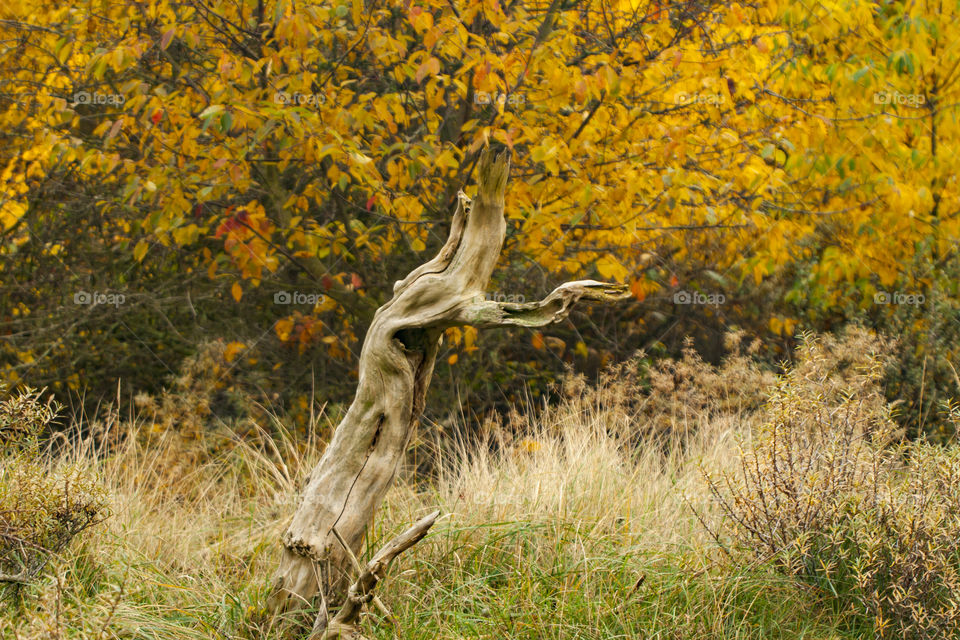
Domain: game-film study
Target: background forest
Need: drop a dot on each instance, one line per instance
(261, 173)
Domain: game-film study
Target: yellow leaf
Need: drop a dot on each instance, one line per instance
(776, 325)
(236, 291)
(232, 349)
(10, 213)
(469, 338)
(454, 334)
(452, 359)
(610, 267)
(789, 324)
(581, 349)
(140, 250)
(283, 329)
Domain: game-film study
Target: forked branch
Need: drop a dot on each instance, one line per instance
(346, 623)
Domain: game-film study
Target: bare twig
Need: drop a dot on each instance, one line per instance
(344, 624)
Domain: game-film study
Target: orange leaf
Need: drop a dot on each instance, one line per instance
(537, 340)
(236, 291)
(431, 66)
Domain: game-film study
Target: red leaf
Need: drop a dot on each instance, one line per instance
(370, 202)
(155, 118)
(674, 281)
(327, 282)
(356, 281)
(227, 226)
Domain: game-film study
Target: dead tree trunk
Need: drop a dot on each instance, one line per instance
(396, 363)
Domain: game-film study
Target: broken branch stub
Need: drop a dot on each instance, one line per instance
(396, 363)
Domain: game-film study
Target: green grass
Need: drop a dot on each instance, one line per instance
(507, 580)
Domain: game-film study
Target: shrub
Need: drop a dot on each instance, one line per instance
(828, 490)
(664, 399)
(44, 503)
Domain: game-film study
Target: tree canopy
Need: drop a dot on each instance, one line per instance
(797, 160)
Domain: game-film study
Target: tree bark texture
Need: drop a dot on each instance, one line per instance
(396, 363)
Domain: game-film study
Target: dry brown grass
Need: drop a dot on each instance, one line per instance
(549, 522)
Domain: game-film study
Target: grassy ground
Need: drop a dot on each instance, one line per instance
(568, 532)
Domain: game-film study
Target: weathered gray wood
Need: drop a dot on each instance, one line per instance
(345, 623)
(396, 364)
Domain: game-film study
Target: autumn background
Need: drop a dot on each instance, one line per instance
(202, 205)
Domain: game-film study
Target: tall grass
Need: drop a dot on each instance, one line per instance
(574, 521)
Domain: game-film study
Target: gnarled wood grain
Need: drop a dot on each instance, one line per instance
(396, 364)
